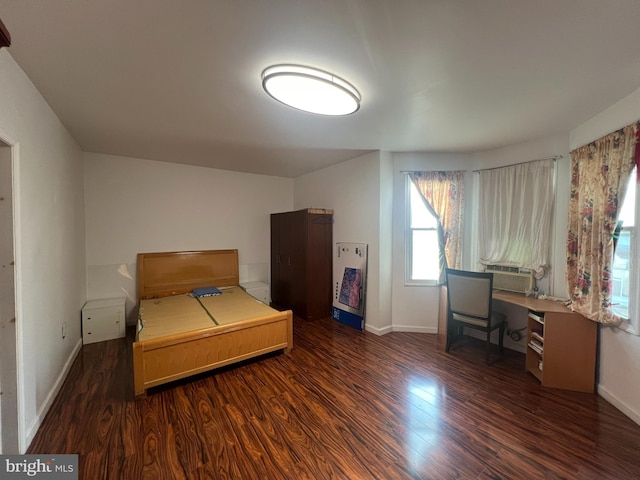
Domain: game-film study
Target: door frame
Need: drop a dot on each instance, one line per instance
(15, 193)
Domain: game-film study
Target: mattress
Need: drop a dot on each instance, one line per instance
(235, 305)
(161, 317)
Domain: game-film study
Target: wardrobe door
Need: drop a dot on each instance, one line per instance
(318, 279)
(277, 290)
(285, 261)
(291, 258)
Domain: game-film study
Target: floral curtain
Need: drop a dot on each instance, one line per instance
(443, 194)
(599, 175)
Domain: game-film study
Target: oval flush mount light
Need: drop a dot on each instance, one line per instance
(310, 90)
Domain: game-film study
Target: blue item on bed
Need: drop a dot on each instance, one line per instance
(205, 292)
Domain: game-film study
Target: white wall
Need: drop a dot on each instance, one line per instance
(415, 308)
(135, 205)
(385, 250)
(9, 442)
(619, 351)
(359, 193)
(49, 239)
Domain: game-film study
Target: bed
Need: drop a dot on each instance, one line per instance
(179, 335)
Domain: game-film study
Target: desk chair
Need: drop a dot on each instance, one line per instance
(469, 297)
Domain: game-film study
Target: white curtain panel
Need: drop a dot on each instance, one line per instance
(514, 217)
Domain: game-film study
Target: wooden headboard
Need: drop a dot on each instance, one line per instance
(174, 273)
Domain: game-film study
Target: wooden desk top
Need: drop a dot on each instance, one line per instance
(530, 303)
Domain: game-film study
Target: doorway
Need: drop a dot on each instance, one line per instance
(9, 436)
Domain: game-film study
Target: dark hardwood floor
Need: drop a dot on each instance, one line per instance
(342, 404)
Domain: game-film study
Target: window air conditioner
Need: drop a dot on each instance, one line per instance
(512, 279)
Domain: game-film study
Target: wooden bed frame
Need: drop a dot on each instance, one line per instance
(161, 360)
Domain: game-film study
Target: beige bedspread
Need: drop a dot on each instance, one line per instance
(165, 316)
(160, 317)
(235, 305)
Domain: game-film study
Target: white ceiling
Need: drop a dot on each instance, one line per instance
(179, 80)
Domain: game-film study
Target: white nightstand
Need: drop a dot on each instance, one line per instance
(103, 320)
(259, 290)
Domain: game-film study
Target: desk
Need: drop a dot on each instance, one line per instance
(530, 303)
(569, 340)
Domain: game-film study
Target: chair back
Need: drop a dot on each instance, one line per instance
(469, 293)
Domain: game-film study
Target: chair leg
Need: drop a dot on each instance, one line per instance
(502, 327)
(453, 331)
(488, 346)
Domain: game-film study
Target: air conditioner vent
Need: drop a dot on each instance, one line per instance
(512, 279)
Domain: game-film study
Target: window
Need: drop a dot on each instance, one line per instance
(625, 270)
(422, 240)
(514, 209)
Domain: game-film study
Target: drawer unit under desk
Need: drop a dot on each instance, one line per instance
(566, 343)
(562, 350)
(103, 320)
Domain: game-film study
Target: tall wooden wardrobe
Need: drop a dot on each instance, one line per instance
(301, 262)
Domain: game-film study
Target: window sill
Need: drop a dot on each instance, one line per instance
(421, 283)
(629, 327)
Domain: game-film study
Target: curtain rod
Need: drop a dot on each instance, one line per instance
(439, 170)
(554, 158)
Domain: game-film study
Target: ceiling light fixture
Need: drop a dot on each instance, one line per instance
(310, 89)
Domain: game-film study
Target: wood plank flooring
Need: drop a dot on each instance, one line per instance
(342, 404)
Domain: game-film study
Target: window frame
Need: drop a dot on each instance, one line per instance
(409, 280)
(632, 324)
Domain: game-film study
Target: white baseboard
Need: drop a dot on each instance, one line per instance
(414, 329)
(619, 404)
(46, 405)
(400, 328)
(377, 331)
